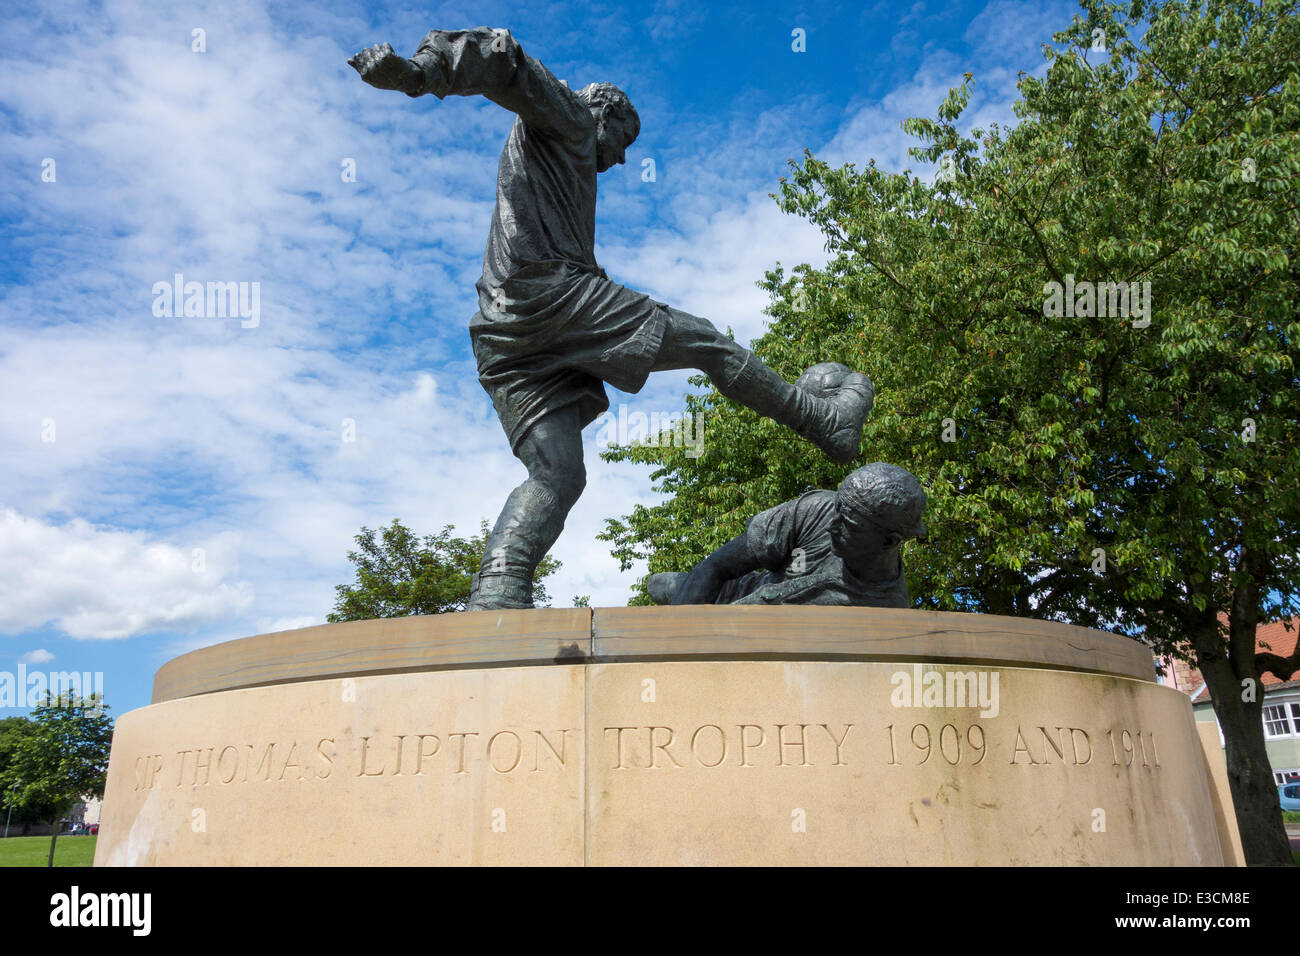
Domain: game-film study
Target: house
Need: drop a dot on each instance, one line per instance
(1281, 699)
(85, 811)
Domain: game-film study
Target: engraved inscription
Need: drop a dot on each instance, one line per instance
(658, 747)
(743, 745)
(504, 752)
(1073, 747)
(953, 745)
(147, 768)
(1125, 753)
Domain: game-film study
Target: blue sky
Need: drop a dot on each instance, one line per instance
(175, 439)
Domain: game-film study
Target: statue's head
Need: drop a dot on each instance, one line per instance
(617, 124)
(879, 507)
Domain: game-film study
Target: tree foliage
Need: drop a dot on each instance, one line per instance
(12, 730)
(1084, 468)
(398, 573)
(60, 757)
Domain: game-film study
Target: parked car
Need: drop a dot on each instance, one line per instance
(1289, 795)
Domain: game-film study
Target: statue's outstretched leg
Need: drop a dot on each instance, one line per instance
(833, 422)
(534, 514)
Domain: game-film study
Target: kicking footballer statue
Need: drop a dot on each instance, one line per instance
(551, 326)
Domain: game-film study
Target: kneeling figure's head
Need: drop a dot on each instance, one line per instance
(880, 507)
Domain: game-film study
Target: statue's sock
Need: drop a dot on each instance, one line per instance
(530, 523)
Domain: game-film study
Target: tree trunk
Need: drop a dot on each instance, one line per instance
(1250, 777)
(54, 835)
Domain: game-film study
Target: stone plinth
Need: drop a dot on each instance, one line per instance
(701, 735)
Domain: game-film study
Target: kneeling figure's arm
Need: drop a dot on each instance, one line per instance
(706, 579)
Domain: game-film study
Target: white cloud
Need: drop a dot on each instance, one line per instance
(272, 625)
(1008, 29)
(174, 434)
(38, 656)
(711, 270)
(103, 583)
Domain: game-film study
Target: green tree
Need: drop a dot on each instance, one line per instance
(1081, 465)
(400, 574)
(12, 730)
(61, 757)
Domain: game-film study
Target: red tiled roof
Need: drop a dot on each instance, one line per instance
(1275, 639)
(1272, 638)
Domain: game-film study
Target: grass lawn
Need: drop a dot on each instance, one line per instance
(34, 851)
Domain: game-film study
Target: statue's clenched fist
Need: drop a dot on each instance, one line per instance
(384, 69)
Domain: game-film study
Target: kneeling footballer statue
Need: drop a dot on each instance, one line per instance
(840, 548)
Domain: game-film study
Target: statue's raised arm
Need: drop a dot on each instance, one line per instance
(485, 62)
